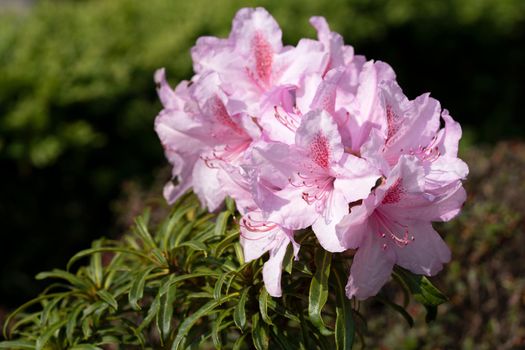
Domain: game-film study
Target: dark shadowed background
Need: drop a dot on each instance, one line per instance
(77, 104)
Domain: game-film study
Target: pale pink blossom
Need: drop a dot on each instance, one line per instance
(313, 135)
(259, 236)
(393, 226)
(321, 179)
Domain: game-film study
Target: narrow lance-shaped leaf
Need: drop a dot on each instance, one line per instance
(263, 306)
(398, 308)
(259, 333)
(72, 279)
(22, 308)
(96, 265)
(108, 298)
(152, 313)
(188, 323)
(239, 314)
(344, 322)
(238, 345)
(87, 252)
(195, 245)
(137, 287)
(423, 291)
(46, 336)
(165, 314)
(319, 289)
(217, 290)
(17, 345)
(217, 327)
(222, 223)
(85, 347)
(142, 231)
(72, 322)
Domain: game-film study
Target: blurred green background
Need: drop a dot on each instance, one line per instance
(77, 103)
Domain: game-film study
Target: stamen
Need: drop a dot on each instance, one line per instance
(429, 153)
(386, 225)
(287, 120)
(259, 228)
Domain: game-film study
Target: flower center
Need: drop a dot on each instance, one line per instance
(427, 153)
(222, 116)
(387, 229)
(263, 57)
(393, 195)
(393, 124)
(320, 151)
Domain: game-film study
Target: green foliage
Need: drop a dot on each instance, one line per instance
(186, 287)
(68, 65)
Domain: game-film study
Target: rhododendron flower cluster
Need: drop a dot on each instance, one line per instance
(315, 136)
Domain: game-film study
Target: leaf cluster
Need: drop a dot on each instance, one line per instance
(186, 286)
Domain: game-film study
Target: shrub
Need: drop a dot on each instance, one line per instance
(186, 286)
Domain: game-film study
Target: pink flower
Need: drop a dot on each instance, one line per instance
(201, 135)
(313, 136)
(252, 61)
(393, 226)
(321, 179)
(259, 236)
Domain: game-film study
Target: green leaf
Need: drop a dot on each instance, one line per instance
(217, 290)
(49, 307)
(23, 307)
(94, 307)
(263, 305)
(398, 308)
(188, 323)
(152, 313)
(238, 345)
(175, 279)
(423, 291)
(96, 265)
(165, 314)
(404, 288)
(17, 344)
(431, 313)
(195, 245)
(239, 254)
(87, 252)
(46, 336)
(141, 229)
(281, 339)
(182, 234)
(288, 259)
(85, 347)
(72, 321)
(225, 243)
(344, 322)
(108, 298)
(239, 314)
(319, 290)
(136, 291)
(230, 204)
(222, 223)
(72, 279)
(259, 333)
(216, 328)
